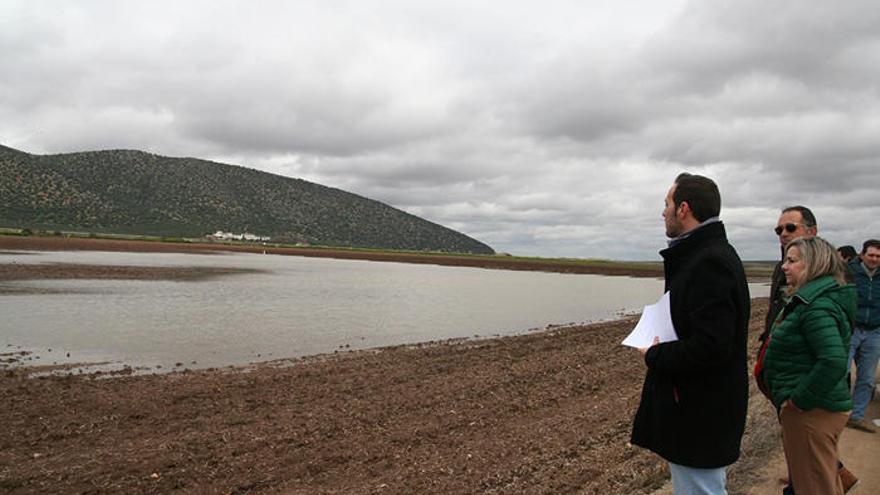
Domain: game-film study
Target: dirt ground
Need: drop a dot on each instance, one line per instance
(859, 451)
(542, 413)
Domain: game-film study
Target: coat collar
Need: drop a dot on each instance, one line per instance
(708, 221)
(815, 287)
(706, 232)
(857, 266)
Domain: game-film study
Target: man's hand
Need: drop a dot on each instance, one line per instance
(644, 350)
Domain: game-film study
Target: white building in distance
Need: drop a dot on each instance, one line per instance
(229, 236)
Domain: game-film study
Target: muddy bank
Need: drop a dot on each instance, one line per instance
(36, 271)
(541, 413)
(28, 271)
(19, 243)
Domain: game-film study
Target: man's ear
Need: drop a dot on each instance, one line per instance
(812, 230)
(683, 209)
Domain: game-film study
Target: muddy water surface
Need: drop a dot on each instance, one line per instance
(288, 307)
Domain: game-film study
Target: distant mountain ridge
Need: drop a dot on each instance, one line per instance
(126, 191)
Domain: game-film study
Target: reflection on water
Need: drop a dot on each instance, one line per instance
(296, 307)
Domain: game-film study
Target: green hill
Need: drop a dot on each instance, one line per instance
(132, 192)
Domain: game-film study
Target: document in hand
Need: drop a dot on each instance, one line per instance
(656, 321)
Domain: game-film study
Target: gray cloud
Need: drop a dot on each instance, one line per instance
(542, 129)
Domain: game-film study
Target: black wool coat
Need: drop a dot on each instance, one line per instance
(695, 395)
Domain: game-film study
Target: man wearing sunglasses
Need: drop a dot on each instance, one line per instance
(794, 222)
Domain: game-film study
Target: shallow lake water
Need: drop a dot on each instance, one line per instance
(295, 307)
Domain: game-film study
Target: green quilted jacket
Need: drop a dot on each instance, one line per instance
(809, 346)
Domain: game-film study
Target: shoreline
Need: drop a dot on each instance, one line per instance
(545, 412)
(18, 270)
(40, 243)
(756, 272)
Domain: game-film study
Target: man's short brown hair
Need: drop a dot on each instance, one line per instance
(700, 193)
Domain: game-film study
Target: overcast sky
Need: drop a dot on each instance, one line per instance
(548, 128)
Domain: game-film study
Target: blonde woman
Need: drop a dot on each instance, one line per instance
(805, 363)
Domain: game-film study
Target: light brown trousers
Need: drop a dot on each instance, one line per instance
(810, 441)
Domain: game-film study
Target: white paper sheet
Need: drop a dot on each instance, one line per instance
(656, 321)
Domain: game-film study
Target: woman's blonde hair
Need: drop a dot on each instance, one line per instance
(820, 258)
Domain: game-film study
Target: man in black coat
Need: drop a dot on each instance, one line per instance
(694, 399)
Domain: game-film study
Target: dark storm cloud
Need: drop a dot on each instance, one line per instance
(818, 44)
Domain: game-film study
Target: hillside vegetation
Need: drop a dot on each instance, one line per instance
(124, 191)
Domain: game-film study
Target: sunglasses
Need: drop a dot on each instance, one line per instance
(789, 227)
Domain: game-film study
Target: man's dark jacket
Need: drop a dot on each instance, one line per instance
(778, 285)
(868, 312)
(695, 396)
